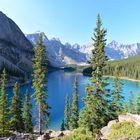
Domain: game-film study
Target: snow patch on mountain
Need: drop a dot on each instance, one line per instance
(60, 54)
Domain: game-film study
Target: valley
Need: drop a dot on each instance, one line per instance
(55, 89)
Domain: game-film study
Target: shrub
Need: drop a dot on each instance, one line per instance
(124, 130)
(78, 134)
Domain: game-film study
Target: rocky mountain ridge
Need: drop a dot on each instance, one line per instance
(16, 51)
(60, 54)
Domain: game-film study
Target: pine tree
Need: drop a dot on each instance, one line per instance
(16, 110)
(117, 98)
(63, 125)
(67, 113)
(138, 103)
(125, 108)
(86, 120)
(74, 109)
(131, 103)
(27, 116)
(4, 115)
(39, 84)
(96, 100)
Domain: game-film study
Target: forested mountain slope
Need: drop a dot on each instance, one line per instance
(16, 51)
(129, 68)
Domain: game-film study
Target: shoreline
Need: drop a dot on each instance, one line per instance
(124, 78)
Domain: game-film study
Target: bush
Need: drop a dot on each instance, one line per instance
(125, 130)
(78, 134)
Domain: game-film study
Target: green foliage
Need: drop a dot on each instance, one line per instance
(131, 106)
(16, 111)
(117, 99)
(67, 113)
(125, 108)
(74, 108)
(27, 116)
(125, 130)
(63, 125)
(87, 121)
(12, 71)
(129, 68)
(39, 84)
(138, 103)
(4, 115)
(78, 134)
(96, 100)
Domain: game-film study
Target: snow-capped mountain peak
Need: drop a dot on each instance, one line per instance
(61, 55)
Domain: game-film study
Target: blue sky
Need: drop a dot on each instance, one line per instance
(74, 20)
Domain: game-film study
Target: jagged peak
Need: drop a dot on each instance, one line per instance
(55, 39)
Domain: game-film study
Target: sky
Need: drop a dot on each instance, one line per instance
(74, 21)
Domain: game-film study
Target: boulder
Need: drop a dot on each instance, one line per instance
(105, 131)
(66, 132)
(134, 118)
(43, 137)
(111, 123)
(56, 134)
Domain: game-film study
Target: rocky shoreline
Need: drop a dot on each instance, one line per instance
(35, 136)
(105, 131)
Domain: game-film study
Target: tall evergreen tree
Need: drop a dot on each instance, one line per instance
(96, 100)
(39, 84)
(63, 125)
(125, 108)
(131, 103)
(74, 109)
(117, 99)
(4, 115)
(27, 116)
(138, 103)
(16, 110)
(67, 113)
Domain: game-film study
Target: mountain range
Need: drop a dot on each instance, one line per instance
(16, 49)
(60, 54)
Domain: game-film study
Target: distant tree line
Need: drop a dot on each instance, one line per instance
(11, 71)
(128, 67)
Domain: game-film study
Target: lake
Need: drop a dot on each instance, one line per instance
(60, 83)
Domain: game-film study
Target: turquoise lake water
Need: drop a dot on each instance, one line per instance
(60, 83)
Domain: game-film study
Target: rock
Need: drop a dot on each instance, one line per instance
(105, 131)
(15, 138)
(43, 137)
(66, 132)
(40, 138)
(134, 118)
(111, 123)
(55, 134)
(16, 51)
(29, 136)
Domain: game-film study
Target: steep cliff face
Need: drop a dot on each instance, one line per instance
(16, 51)
(60, 54)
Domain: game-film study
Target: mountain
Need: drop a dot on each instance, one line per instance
(115, 50)
(60, 54)
(16, 51)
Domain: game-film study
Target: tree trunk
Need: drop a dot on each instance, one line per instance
(39, 119)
